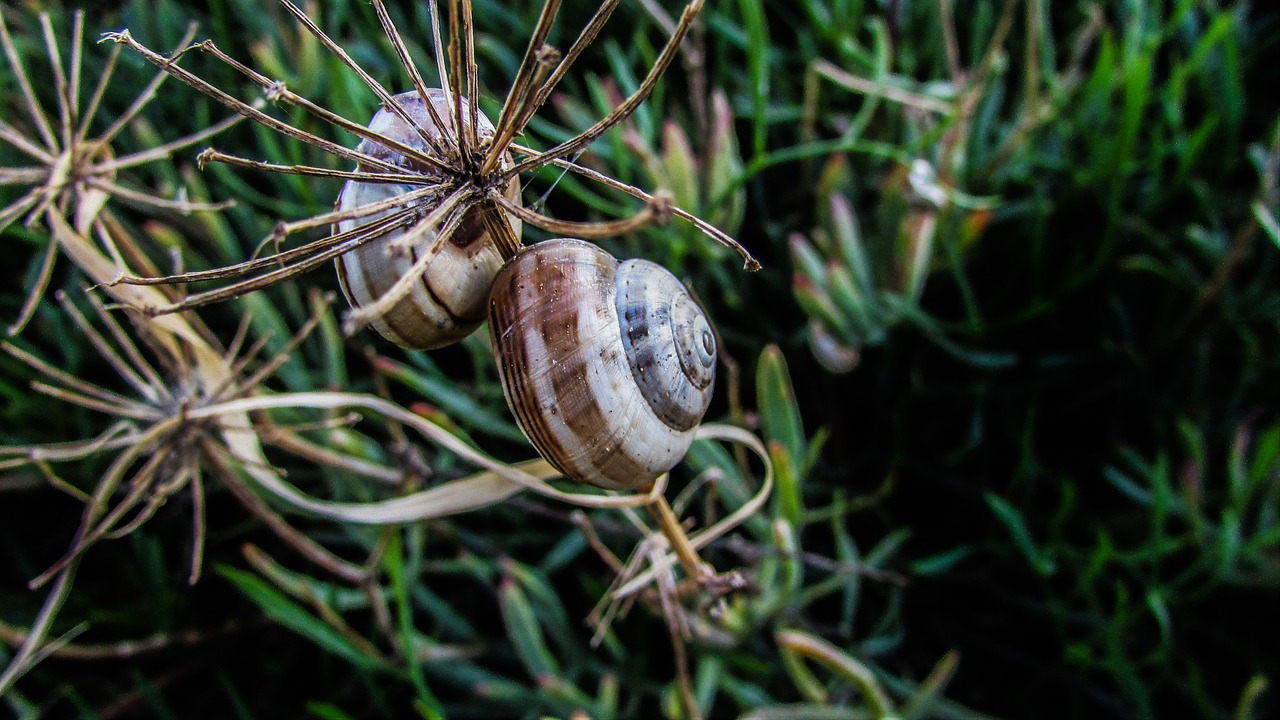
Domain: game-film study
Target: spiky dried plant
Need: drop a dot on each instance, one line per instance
(460, 171)
(200, 410)
(176, 421)
(166, 433)
(73, 173)
(160, 434)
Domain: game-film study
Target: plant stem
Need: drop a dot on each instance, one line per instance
(670, 526)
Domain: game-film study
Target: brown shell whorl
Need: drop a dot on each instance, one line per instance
(449, 303)
(608, 411)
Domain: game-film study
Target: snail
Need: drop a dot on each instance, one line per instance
(449, 303)
(608, 367)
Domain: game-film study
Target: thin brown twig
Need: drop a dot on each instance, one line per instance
(333, 246)
(473, 78)
(36, 293)
(10, 134)
(389, 102)
(211, 155)
(623, 111)
(13, 210)
(273, 571)
(197, 524)
(435, 141)
(442, 69)
(349, 239)
(76, 65)
(24, 85)
(104, 79)
(158, 497)
(144, 97)
(119, 434)
(125, 649)
(58, 483)
(466, 137)
(711, 231)
(520, 87)
(127, 408)
(170, 66)
(583, 523)
(654, 212)
(139, 485)
(439, 225)
(22, 175)
(683, 680)
(299, 541)
(277, 91)
(316, 454)
(71, 381)
(123, 368)
(670, 526)
(154, 388)
(234, 387)
(237, 340)
(166, 150)
(143, 198)
(61, 87)
(584, 39)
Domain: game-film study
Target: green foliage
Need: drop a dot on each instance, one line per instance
(1039, 241)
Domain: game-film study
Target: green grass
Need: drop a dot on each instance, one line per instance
(1047, 485)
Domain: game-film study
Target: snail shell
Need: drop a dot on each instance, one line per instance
(608, 367)
(449, 303)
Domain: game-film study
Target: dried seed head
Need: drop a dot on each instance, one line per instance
(73, 174)
(460, 257)
(472, 175)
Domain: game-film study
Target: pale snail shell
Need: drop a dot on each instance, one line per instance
(608, 367)
(449, 303)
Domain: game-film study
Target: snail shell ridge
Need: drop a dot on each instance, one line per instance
(449, 303)
(608, 367)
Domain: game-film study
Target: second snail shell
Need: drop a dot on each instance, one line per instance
(608, 367)
(449, 303)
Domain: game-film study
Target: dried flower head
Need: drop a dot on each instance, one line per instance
(74, 174)
(461, 171)
(162, 433)
(166, 432)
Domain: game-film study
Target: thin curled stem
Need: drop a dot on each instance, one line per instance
(749, 263)
(655, 212)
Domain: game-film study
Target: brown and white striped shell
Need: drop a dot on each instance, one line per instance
(608, 367)
(449, 303)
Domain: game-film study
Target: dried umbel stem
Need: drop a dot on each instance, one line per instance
(75, 174)
(161, 444)
(188, 407)
(179, 339)
(211, 428)
(448, 171)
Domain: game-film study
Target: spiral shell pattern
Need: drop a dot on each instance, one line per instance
(449, 303)
(608, 367)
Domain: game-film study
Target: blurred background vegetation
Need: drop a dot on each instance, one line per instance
(1014, 348)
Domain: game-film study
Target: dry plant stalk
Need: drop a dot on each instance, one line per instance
(460, 172)
(74, 174)
(197, 409)
(178, 427)
(163, 437)
(456, 173)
